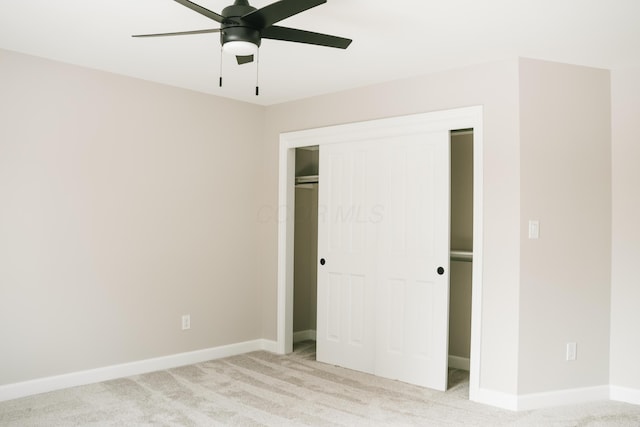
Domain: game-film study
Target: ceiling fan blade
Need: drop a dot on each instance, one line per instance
(275, 12)
(301, 36)
(179, 33)
(201, 10)
(244, 59)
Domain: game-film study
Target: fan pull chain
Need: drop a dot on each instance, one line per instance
(221, 58)
(257, 71)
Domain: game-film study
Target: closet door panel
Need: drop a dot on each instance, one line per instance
(414, 243)
(346, 294)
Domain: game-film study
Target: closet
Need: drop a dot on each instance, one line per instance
(461, 244)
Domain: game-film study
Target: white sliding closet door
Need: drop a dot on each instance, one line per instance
(345, 332)
(413, 262)
(383, 230)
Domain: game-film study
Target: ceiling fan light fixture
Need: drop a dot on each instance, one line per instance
(240, 48)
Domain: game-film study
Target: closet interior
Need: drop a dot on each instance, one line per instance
(305, 267)
(461, 242)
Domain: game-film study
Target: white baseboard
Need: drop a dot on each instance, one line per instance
(43, 385)
(624, 394)
(526, 402)
(484, 396)
(304, 336)
(266, 345)
(562, 397)
(457, 362)
(495, 398)
(575, 396)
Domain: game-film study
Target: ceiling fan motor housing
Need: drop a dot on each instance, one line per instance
(234, 29)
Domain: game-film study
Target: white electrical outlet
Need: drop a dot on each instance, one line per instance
(571, 351)
(186, 322)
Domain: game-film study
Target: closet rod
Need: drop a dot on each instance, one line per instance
(466, 256)
(308, 179)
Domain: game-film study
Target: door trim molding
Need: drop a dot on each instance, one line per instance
(459, 118)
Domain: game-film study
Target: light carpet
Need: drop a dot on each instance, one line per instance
(264, 389)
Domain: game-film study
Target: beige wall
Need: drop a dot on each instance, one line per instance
(625, 292)
(495, 86)
(123, 205)
(565, 183)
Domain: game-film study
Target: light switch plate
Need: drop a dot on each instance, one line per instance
(571, 351)
(534, 229)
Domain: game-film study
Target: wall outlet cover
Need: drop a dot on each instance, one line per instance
(186, 322)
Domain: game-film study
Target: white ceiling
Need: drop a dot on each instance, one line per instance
(393, 39)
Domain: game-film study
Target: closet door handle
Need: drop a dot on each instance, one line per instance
(322, 261)
(440, 271)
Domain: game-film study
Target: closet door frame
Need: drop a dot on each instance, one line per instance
(460, 118)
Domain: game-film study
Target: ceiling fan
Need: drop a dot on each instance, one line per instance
(242, 27)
